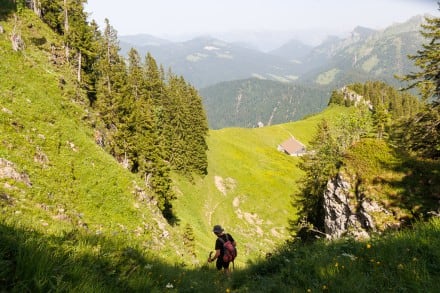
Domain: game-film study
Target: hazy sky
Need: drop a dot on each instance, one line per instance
(190, 17)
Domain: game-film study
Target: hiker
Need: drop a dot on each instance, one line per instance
(222, 238)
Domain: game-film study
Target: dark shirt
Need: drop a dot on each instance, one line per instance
(219, 243)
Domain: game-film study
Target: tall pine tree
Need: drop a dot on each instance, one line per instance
(421, 134)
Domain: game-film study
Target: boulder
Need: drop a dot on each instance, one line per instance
(347, 213)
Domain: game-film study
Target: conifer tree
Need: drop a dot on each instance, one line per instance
(51, 13)
(198, 131)
(159, 168)
(328, 147)
(110, 77)
(318, 166)
(421, 134)
(189, 128)
(427, 80)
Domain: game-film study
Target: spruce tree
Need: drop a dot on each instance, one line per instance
(110, 77)
(427, 59)
(421, 134)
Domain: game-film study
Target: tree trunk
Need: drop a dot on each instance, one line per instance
(66, 29)
(36, 7)
(79, 66)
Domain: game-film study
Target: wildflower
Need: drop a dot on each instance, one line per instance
(169, 286)
(309, 290)
(368, 245)
(228, 290)
(336, 264)
(324, 287)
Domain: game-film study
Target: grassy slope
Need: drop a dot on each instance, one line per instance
(256, 207)
(406, 261)
(87, 185)
(75, 185)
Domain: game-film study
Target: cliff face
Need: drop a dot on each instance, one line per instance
(350, 212)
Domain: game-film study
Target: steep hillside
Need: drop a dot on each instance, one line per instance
(365, 55)
(249, 186)
(253, 102)
(54, 177)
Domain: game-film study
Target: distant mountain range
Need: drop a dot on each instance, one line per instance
(365, 54)
(214, 66)
(205, 61)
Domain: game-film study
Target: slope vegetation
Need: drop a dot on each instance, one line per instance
(54, 177)
(74, 220)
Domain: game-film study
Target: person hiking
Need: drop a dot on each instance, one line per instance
(223, 255)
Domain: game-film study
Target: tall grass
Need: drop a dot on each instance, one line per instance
(403, 261)
(407, 261)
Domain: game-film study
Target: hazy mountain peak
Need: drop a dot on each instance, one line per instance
(143, 40)
(363, 31)
(412, 24)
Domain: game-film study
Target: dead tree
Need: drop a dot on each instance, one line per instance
(17, 41)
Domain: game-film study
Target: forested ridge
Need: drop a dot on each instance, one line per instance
(149, 119)
(410, 126)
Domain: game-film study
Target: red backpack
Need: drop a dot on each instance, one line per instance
(229, 250)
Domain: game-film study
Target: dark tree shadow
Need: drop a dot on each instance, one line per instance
(420, 186)
(39, 41)
(80, 261)
(7, 7)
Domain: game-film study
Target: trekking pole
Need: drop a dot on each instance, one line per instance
(205, 266)
(209, 257)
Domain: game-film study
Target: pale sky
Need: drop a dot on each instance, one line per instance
(190, 17)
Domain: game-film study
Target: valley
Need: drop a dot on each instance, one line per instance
(114, 170)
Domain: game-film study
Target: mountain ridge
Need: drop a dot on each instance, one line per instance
(298, 61)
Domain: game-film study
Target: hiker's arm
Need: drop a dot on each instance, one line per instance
(217, 254)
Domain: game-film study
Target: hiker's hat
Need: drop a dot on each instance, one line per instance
(217, 229)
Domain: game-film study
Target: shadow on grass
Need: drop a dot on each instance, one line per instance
(77, 262)
(419, 188)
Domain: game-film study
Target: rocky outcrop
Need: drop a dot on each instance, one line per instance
(355, 98)
(347, 212)
(8, 171)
